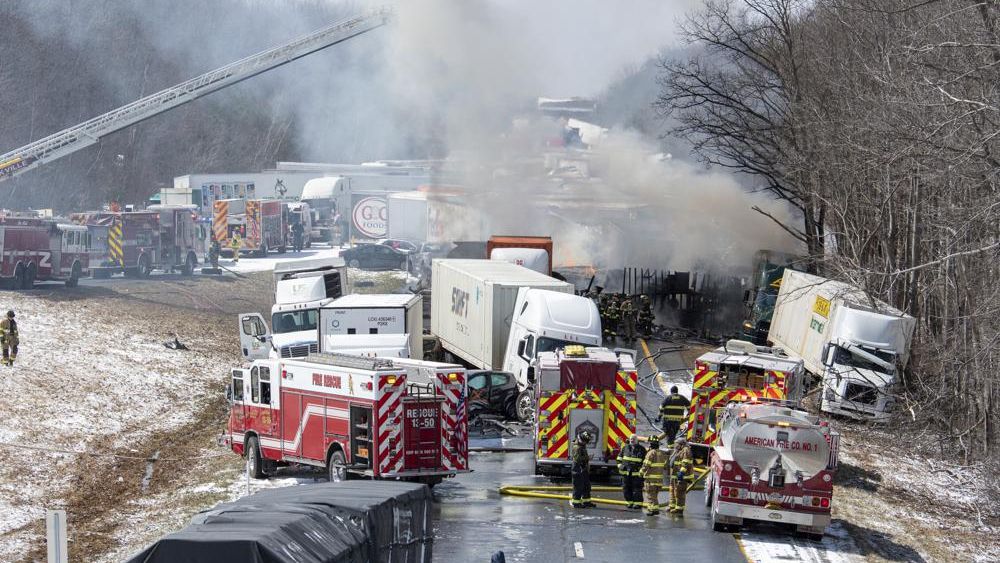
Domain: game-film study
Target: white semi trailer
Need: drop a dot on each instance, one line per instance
(855, 344)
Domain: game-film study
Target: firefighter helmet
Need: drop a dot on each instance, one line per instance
(10, 314)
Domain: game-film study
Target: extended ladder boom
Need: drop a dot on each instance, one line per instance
(89, 132)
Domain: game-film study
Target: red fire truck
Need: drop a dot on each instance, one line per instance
(579, 390)
(41, 250)
(352, 415)
(772, 463)
(262, 224)
(161, 238)
(739, 371)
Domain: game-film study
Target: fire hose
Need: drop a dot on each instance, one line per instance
(553, 491)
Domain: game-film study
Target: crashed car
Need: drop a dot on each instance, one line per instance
(492, 393)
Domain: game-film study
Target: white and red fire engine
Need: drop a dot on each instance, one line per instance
(772, 463)
(262, 225)
(578, 390)
(380, 418)
(36, 249)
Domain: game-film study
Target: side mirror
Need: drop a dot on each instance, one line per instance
(520, 349)
(229, 392)
(531, 374)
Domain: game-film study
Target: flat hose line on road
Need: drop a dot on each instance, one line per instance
(550, 491)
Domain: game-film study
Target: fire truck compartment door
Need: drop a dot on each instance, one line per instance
(422, 434)
(255, 338)
(592, 421)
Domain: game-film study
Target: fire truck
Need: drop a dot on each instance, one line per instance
(163, 237)
(41, 250)
(772, 463)
(739, 371)
(261, 223)
(582, 389)
(352, 415)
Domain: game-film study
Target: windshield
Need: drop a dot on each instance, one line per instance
(844, 357)
(551, 344)
(294, 321)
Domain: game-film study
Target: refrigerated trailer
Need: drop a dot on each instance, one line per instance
(354, 319)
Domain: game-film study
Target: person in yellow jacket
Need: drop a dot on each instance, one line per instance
(681, 469)
(652, 476)
(235, 244)
(9, 338)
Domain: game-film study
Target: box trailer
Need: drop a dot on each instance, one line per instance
(362, 316)
(472, 304)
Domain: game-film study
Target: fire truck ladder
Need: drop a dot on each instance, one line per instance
(90, 132)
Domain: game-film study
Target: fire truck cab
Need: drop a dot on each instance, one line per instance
(164, 237)
(582, 389)
(35, 249)
(739, 371)
(773, 463)
(352, 415)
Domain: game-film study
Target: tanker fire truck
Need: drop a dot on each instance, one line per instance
(772, 463)
(739, 371)
(582, 389)
(163, 237)
(352, 415)
(41, 250)
(261, 223)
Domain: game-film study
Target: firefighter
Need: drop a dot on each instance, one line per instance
(235, 244)
(9, 338)
(652, 476)
(629, 463)
(645, 320)
(613, 315)
(213, 254)
(627, 319)
(297, 231)
(681, 464)
(673, 409)
(581, 472)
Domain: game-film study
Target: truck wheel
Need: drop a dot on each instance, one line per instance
(142, 268)
(709, 489)
(189, 264)
(336, 467)
(74, 277)
(525, 406)
(255, 466)
(713, 515)
(29, 276)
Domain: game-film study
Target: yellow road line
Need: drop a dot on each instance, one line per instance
(645, 351)
(739, 543)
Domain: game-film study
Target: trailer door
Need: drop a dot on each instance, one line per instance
(422, 434)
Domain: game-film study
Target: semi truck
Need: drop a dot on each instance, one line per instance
(855, 344)
(739, 371)
(534, 253)
(758, 299)
(582, 389)
(35, 249)
(261, 223)
(301, 288)
(372, 417)
(163, 237)
(772, 463)
(372, 324)
(433, 214)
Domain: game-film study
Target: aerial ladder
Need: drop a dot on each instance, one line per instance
(90, 132)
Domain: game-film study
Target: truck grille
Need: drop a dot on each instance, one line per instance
(298, 351)
(862, 394)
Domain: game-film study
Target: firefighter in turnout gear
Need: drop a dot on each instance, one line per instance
(627, 315)
(681, 471)
(9, 338)
(644, 323)
(629, 463)
(213, 254)
(235, 245)
(673, 411)
(581, 472)
(652, 476)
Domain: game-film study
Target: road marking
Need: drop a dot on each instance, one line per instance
(649, 356)
(739, 543)
(578, 547)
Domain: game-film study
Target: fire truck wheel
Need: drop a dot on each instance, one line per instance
(525, 404)
(709, 489)
(716, 525)
(255, 465)
(335, 467)
(74, 277)
(142, 267)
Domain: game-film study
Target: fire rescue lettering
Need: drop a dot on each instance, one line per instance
(422, 418)
(771, 443)
(327, 380)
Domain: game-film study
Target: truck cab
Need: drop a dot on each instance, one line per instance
(544, 321)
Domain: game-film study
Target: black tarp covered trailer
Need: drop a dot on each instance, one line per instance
(348, 522)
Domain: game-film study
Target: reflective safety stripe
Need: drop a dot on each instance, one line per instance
(653, 464)
(674, 417)
(653, 476)
(632, 459)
